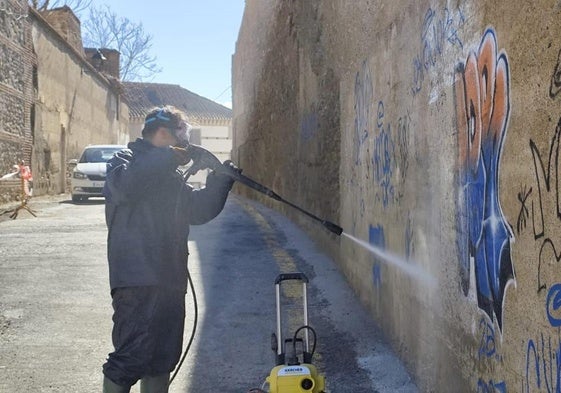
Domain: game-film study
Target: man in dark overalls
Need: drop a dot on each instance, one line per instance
(149, 208)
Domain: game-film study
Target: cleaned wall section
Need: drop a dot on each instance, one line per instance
(430, 130)
(286, 116)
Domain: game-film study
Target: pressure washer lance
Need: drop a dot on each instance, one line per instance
(336, 229)
(203, 159)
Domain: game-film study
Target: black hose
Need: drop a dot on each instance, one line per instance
(296, 334)
(196, 311)
(195, 307)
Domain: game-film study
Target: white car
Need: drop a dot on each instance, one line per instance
(88, 177)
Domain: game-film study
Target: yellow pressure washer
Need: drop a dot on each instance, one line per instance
(294, 373)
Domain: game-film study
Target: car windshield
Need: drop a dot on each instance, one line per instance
(98, 154)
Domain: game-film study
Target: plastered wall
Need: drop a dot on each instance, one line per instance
(430, 130)
(75, 106)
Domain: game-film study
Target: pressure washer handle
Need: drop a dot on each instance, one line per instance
(291, 276)
(280, 342)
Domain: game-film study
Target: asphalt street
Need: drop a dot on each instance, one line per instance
(55, 306)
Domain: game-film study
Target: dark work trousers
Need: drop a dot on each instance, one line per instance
(148, 325)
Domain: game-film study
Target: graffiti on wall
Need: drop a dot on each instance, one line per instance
(383, 159)
(364, 97)
(309, 126)
(440, 29)
(390, 159)
(524, 214)
(539, 203)
(488, 353)
(543, 355)
(380, 145)
(377, 238)
(555, 86)
(491, 386)
(547, 204)
(542, 214)
(409, 240)
(482, 114)
(543, 365)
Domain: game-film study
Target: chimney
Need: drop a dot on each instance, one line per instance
(104, 60)
(64, 21)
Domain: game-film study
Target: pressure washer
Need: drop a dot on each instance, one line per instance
(293, 371)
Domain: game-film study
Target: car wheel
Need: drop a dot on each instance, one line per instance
(76, 198)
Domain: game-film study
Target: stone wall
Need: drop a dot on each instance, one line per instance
(429, 130)
(16, 90)
(53, 102)
(75, 106)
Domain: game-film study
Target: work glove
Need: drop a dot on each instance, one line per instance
(227, 173)
(202, 159)
(230, 166)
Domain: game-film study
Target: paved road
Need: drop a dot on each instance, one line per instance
(55, 313)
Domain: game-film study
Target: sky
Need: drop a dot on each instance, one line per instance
(193, 40)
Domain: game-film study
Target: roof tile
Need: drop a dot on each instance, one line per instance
(142, 96)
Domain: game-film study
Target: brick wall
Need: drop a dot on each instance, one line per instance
(16, 89)
(64, 21)
(53, 102)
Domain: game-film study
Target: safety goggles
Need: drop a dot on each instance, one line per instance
(182, 132)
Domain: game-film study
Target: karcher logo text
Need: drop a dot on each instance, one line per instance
(294, 370)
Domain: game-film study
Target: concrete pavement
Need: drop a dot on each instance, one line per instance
(55, 306)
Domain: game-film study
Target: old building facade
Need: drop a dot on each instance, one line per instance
(76, 105)
(55, 101)
(16, 91)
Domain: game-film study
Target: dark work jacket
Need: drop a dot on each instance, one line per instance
(148, 210)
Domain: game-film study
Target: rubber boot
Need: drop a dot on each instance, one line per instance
(111, 387)
(155, 384)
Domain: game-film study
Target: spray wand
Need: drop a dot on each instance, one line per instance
(234, 174)
(203, 159)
